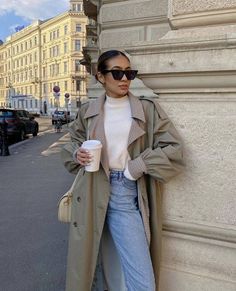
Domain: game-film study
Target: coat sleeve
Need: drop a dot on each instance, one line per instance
(164, 159)
(78, 136)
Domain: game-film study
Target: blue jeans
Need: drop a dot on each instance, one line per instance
(126, 227)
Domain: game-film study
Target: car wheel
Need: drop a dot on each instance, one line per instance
(35, 132)
(21, 135)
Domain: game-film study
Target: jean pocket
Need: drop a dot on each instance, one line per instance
(127, 183)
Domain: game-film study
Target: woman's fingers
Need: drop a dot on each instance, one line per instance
(83, 156)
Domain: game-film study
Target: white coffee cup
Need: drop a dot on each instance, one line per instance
(94, 147)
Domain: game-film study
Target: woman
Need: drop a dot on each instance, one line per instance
(141, 150)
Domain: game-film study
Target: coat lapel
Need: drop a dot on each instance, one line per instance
(96, 130)
(136, 130)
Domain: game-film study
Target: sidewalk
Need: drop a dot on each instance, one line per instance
(33, 242)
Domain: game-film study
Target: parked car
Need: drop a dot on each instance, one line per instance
(19, 123)
(62, 115)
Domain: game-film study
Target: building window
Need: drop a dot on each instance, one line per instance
(44, 72)
(36, 103)
(57, 69)
(66, 85)
(58, 33)
(65, 47)
(35, 57)
(78, 27)
(65, 29)
(79, 7)
(77, 65)
(44, 54)
(35, 40)
(77, 45)
(44, 88)
(65, 67)
(77, 85)
(44, 38)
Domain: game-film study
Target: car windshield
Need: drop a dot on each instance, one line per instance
(5, 113)
(59, 112)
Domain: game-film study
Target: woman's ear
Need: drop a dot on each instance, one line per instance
(100, 78)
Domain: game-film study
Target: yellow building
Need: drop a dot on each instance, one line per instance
(43, 55)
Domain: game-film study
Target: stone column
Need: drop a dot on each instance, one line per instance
(185, 52)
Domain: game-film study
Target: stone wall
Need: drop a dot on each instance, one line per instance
(185, 52)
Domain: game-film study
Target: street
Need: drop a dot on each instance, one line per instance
(33, 243)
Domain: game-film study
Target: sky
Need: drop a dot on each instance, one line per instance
(15, 13)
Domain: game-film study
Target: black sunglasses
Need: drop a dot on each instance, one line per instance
(118, 74)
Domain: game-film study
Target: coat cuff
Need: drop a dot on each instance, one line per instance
(137, 167)
(74, 156)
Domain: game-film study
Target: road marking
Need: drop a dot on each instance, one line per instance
(56, 146)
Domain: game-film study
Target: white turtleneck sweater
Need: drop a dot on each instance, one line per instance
(117, 123)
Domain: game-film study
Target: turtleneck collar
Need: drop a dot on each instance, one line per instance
(112, 100)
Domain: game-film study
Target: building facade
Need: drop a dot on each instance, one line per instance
(185, 52)
(43, 55)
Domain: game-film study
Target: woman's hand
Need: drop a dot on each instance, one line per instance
(83, 157)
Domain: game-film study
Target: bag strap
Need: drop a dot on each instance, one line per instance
(73, 184)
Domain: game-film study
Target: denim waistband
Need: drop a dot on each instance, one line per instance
(116, 174)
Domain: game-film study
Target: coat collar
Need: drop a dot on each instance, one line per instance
(96, 107)
(95, 114)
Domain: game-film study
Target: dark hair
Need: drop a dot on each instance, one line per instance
(106, 56)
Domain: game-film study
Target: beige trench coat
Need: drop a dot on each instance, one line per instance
(156, 156)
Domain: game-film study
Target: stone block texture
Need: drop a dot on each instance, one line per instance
(185, 52)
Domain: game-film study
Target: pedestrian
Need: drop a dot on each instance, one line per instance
(115, 233)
